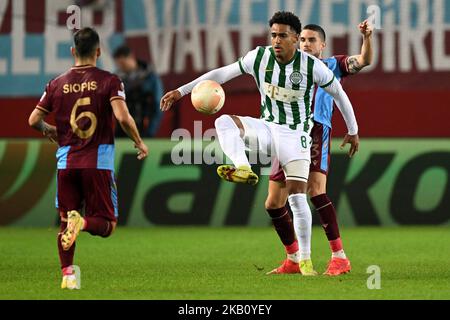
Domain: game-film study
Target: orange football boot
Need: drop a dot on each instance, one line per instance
(288, 266)
(338, 266)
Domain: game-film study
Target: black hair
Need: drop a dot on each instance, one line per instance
(122, 51)
(86, 41)
(287, 18)
(318, 29)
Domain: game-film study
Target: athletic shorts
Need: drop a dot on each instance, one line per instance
(320, 149)
(320, 153)
(276, 140)
(93, 190)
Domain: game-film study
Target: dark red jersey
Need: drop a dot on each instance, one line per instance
(81, 102)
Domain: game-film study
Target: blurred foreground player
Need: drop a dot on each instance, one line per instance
(83, 100)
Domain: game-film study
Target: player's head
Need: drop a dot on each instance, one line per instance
(285, 29)
(86, 44)
(312, 40)
(124, 59)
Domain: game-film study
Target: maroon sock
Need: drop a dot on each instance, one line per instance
(285, 228)
(327, 215)
(97, 226)
(65, 257)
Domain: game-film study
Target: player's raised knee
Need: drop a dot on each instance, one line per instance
(222, 122)
(110, 230)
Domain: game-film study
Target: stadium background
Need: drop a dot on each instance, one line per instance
(400, 176)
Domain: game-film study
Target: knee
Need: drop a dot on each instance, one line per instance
(229, 124)
(315, 188)
(274, 203)
(111, 228)
(297, 172)
(295, 187)
(222, 122)
(275, 199)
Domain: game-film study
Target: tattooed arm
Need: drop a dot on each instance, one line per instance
(37, 122)
(357, 62)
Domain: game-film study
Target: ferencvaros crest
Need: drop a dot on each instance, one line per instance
(296, 77)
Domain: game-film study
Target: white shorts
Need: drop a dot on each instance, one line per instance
(276, 140)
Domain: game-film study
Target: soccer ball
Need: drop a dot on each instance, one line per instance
(208, 97)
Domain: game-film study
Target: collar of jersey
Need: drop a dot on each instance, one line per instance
(83, 66)
(283, 64)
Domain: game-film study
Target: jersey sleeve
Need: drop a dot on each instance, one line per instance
(247, 62)
(116, 89)
(220, 75)
(45, 103)
(322, 76)
(343, 65)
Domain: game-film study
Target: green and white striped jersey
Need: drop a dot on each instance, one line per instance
(286, 89)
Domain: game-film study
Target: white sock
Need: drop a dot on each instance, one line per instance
(230, 140)
(302, 223)
(339, 254)
(295, 257)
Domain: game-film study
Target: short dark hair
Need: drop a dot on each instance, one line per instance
(318, 29)
(287, 18)
(122, 51)
(86, 41)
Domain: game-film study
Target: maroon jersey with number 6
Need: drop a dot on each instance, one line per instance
(81, 102)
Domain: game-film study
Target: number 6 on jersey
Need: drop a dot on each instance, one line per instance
(83, 134)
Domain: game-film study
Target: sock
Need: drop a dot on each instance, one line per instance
(67, 271)
(65, 257)
(327, 215)
(97, 226)
(230, 140)
(292, 251)
(339, 254)
(302, 223)
(283, 225)
(294, 257)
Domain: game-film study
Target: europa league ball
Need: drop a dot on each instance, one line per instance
(208, 97)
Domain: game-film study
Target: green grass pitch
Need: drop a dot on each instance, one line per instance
(223, 263)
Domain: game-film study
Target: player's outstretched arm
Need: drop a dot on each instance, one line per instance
(37, 122)
(345, 107)
(358, 62)
(128, 125)
(169, 99)
(220, 75)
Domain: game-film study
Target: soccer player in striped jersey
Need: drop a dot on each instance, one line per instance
(312, 41)
(285, 77)
(85, 100)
